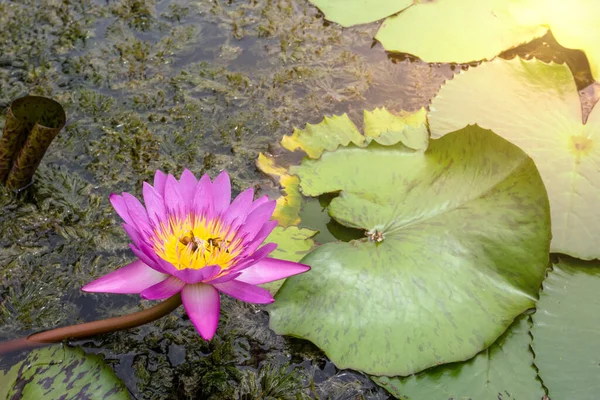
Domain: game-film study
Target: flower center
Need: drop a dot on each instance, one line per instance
(195, 243)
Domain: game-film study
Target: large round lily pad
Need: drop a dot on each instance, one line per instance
(355, 12)
(457, 246)
(536, 106)
(503, 371)
(458, 31)
(61, 372)
(463, 31)
(566, 330)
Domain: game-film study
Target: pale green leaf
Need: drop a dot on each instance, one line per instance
(355, 12)
(536, 106)
(566, 330)
(457, 31)
(446, 268)
(574, 24)
(387, 129)
(333, 132)
(503, 371)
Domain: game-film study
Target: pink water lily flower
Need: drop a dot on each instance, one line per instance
(190, 239)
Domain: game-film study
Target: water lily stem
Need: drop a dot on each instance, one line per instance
(87, 329)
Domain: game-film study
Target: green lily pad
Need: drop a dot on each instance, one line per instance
(388, 129)
(289, 203)
(328, 135)
(463, 31)
(457, 247)
(457, 31)
(293, 243)
(331, 133)
(61, 372)
(503, 371)
(535, 106)
(355, 12)
(565, 331)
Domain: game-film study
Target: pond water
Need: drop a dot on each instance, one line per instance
(204, 85)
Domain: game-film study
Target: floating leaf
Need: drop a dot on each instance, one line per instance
(388, 129)
(459, 239)
(565, 331)
(355, 12)
(503, 371)
(574, 24)
(536, 106)
(288, 206)
(61, 372)
(293, 243)
(331, 133)
(328, 135)
(457, 31)
(462, 31)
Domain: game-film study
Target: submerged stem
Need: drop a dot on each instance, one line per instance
(88, 329)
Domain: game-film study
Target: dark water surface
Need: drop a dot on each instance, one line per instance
(147, 85)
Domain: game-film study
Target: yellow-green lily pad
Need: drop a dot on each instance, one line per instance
(536, 106)
(503, 371)
(462, 31)
(565, 331)
(355, 12)
(456, 248)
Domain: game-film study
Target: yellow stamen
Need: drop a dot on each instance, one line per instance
(195, 243)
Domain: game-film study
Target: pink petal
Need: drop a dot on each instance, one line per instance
(258, 202)
(187, 187)
(165, 265)
(203, 197)
(132, 233)
(191, 276)
(202, 304)
(260, 237)
(221, 193)
(245, 292)
(160, 178)
(162, 290)
(138, 213)
(254, 258)
(271, 269)
(174, 202)
(255, 221)
(223, 278)
(155, 206)
(238, 210)
(146, 253)
(259, 254)
(149, 261)
(132, 278)
(120, 207)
